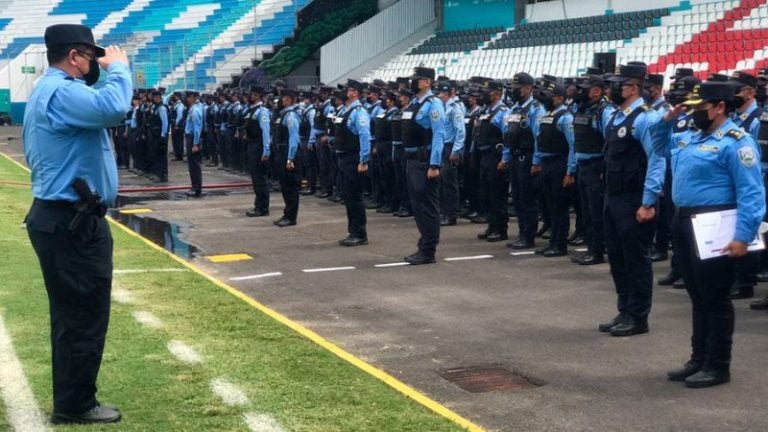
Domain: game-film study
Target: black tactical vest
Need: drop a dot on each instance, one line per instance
(683, 124)
(154, 124)
(382, 128)
(304, 127)
(413, 134)
(172, 115)
(587, 139)
(625, 159)
(346, 141)
(551, 138)
(762, 136)
(252, 126)
(488, 135)
(320, 118)
(519, 134)
(280, 131)
(396, 123)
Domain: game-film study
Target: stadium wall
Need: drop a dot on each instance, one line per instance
(368, 40)
(470, 14)
(555, 10)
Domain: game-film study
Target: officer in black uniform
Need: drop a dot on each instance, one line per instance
(519, 140)
(257, 124)
(383, 132)
(469, 186)
(422, 130)
(322, 151)
(308, 148)
(494, 181)
(178, 121)
(401, 200)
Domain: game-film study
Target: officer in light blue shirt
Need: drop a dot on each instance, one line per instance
(69, 152)
(455, 134)
(193, 132)
(634, 179)
(285, 146)
(714, 169)
(353, 153)
(177, 134)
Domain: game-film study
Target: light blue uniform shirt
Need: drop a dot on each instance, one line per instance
(319, 130)
(359, 123)
(65, 135)
(455, 129)
(430, 116)
(179, 108)
(194, 124)
(163, 113)
(642, 131)
(292, 121)
(134, 122)
(739, 119)
(223, 110)
(564, 125)
(265, 122)
(309, 114)
(719, 169)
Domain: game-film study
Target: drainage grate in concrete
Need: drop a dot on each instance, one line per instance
(481, 379)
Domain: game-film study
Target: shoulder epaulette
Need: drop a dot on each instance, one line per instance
(735, 133)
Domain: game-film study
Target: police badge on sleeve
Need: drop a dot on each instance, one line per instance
(747, 156)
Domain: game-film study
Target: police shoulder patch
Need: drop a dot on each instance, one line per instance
(435, 115)
(264, 117)
(362, 120)
(747, 156)
(290, 121)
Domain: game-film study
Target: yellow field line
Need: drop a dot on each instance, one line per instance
(377, 373)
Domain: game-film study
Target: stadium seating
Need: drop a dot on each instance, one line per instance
(459, 40)
(708, 36)
(173, 43)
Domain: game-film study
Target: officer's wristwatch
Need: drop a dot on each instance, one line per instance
(647, 207)
(434, 167)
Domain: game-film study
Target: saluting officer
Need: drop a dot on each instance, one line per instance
(634, 178)
(715, 168)
(67, 146)
(588, 124)
(494, 182)
(554, 161)
(257, 134)
(353, 150)
(285, 144)
(193, 132)
(422, 129)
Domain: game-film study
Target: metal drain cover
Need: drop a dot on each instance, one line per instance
(481, 379)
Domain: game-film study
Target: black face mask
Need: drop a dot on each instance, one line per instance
(581, 96)
(516, 95)
(738, 101)
(701, 120)
(415, 86)
(369, 100)
(487, 99)
(92, 77)
(616, 96)
(760, 95)
(647, 97)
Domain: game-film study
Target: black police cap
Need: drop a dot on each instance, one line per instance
(593, 71)
(762, 76)
(354, 84)
(684, 85)
(682, 73)
(629, 71)
(256, 89)
(444, 87)
(549, 78)
(493, 85)
(405, 92)
(68, 34)
(288, 92)
(591, 81)
(718, 77)
(194, 93)
(156, 93)
(553, 89)
(422, 72)
(655, 79)
(742, 78)
(711, 91)
(326, 89)
(402, 80)
(521, 79)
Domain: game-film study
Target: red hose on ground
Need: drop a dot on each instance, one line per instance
(178, 188)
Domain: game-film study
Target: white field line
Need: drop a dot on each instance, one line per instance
(522, 253)
(184, 353)
(262, 423)
(122, 296)
(155, 270)
(328, 269)
(147, 319)
(258, 276)
(396, 264)
(21, 409)
(230, 394)
(467, 258)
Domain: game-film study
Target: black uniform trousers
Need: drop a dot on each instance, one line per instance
(494, 188)
(122, 150)
(77, 270)
(592, 196)
(629, 254)
(352, 188)
(177, 140)
(326, 167)
(386, 169)
(159, 156)
(259, 171)
(133, 145)
(666, 212)
(194, 164)
(290, 181)
(449, 184)
(401, 196)
(708, 283)
(524, 194)
(227, 135)
(309, 165)
(211, 143)
(425, 202)
(556, 197)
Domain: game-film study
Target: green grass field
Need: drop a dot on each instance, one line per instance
(303, 386)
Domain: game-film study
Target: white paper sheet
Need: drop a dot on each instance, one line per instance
(713, 231)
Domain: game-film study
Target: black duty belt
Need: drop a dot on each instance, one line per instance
(690, 211)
